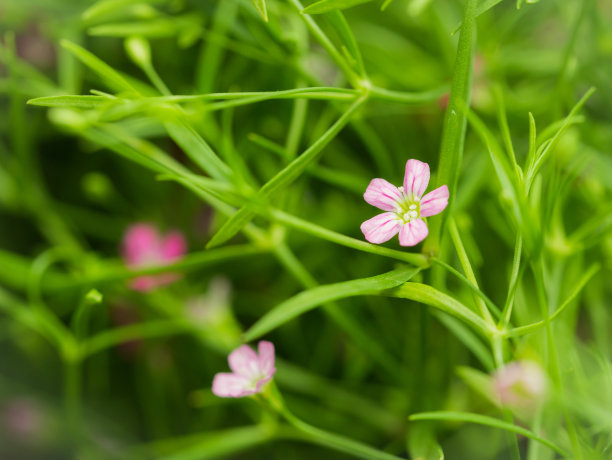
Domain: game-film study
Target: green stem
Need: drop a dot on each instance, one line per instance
(72, 395)
(455, 122)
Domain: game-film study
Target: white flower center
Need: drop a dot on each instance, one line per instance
(408, 207)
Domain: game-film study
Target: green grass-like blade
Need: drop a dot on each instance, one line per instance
(325, 6)
(77, 102)
(284, 177)
(260, 6)
(197, 148)
(428, 295)
(455, 122)
(307, 300)
(487, 421)
(109, 75)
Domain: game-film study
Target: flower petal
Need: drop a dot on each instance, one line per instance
(416, 178)
(413, 233)
(382, 194)
(227, 385)
(173, 246)
(434, 202)
(380, 228)
(244, 361)
(266, 358)
(140, 243)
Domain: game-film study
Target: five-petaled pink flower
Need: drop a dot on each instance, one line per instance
(405, 206)
(143, 246)
(250, 371)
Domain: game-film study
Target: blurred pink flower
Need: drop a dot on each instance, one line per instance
(143, 246)
(250, 371)
(405, 206)
(520, 384)
(22, 418)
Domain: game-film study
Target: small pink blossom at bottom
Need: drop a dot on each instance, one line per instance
(250, 371)
(520, 384)
(405, 206)
(143, 246)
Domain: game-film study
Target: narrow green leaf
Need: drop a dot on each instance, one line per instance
(154, 28)
(79, 102)
(522, 330)
(105, 8)
(311, 298)
(555, 139)
(197, 148)
(325, 6)
(338, 22)
(260, 6)
(487, 421)
(109, 75)
(428, 295)
(455, 123)
(285, 177)
(219, 444)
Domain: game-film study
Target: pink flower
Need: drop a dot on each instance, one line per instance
(143, 246)
(405, 206)
(520, 384)
(250, 371)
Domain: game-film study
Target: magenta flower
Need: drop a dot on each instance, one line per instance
(250, 371)
(405, 206)
(143, 246)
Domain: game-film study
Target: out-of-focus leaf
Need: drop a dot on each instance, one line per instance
(487, 421)
(324, 6)
(477, 381)
(422, 443)
(307, 300)
(79, 102)
(155, 28)
(260, 6)
(109, 75)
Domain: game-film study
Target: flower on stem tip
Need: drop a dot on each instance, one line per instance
(250, 371)
(405, 206)
(143, 246)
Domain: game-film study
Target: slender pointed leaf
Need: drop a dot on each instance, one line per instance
(312, 298)
(325, 6)
(487, 421)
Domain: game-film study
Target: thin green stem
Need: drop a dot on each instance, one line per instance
(467, 269)
(455, 122)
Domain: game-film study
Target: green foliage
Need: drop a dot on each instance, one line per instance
(254, 128)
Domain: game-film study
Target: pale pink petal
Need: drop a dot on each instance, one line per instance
(140, 242)
(173, 246)
(380, 228)
(266, 358)
(413, 233)
(382, 194)
(227, 385)
(434, 202)
(244, 362)
(416, 178)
